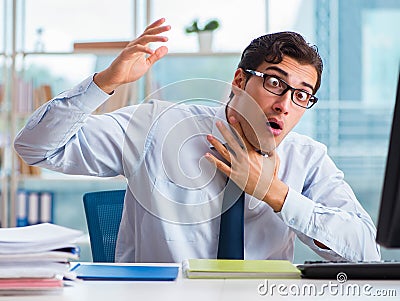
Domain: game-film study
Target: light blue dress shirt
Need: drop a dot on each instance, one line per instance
(174, 194)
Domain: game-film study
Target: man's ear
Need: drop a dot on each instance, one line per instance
(240, 79)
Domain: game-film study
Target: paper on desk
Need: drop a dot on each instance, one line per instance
(36, 238)
(17, 286)
(58, 256)
(33, 269)
(30, 286)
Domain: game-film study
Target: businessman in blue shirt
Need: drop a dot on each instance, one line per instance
(177, 158)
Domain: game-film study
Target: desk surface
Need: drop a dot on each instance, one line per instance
(220, 289)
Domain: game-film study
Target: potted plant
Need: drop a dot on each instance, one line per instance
(204, 33)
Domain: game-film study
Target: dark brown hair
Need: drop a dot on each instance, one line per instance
(273, 47)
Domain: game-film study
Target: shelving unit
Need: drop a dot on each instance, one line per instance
(11, 121)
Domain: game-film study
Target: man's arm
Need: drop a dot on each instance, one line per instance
(325, 214)
(63, 135)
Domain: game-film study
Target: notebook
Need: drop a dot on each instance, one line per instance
(124, 272)
(222, 268)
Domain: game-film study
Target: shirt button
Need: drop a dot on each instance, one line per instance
(80, 88)
(291, 222)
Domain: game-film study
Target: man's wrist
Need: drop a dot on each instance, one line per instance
(276, 194)
(98, 79)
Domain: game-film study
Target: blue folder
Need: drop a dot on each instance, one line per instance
(123, 272)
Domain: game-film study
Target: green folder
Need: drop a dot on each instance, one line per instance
(222, 268)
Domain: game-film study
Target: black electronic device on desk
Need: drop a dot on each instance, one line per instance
(389, 212)
(388, 234)
(344, 270)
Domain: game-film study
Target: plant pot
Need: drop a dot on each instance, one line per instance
(205, 40)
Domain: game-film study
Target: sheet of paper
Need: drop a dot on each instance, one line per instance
(38, 233)
(36, 238)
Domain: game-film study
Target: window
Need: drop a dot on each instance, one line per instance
(64, 22)
(240, 22)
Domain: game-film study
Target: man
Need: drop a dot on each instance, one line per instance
(173, 201)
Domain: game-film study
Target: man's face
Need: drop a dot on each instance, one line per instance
(280, 111)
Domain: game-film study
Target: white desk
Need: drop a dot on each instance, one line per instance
(218, 289)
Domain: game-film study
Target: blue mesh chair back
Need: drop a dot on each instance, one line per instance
(103, 210)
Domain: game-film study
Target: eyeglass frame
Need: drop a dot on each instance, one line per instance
(313, 99)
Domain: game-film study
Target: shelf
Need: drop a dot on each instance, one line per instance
(191, 54)
(55, 53)
(70, 185)
(60, 53)
(116, 51)
(45, 53)
(57, 177)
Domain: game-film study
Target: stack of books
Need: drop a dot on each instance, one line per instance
(35, 259)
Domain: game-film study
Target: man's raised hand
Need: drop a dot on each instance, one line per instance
(135, 59)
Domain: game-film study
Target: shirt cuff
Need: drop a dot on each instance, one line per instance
(297, 211)
(93, 95)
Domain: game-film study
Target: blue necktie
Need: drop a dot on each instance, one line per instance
(231, 231)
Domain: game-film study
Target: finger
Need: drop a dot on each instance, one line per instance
(146, 39)
(132, 50)
(221, 149)
(157, 30)
(277, 159)
(277, 163)
(219, 164)
(157, 54)
(271, 154)
(237, 126)
(155, 23)
(229, 137)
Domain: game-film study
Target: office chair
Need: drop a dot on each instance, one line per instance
(103, 210)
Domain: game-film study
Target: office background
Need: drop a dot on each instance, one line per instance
(357, 39)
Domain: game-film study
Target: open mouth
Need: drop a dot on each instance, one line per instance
(275, 125)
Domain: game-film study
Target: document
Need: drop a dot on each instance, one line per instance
(38, 251)
(36, 238)
(42, 269)
(30, 285)
(59, 255)
(222, 268)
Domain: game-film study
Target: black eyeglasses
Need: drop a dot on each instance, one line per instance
(279, 87)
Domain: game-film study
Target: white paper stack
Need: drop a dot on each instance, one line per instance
(36, 258)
